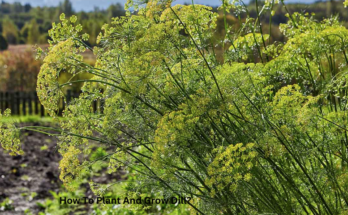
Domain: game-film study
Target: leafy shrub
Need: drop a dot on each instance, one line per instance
(10, 31)
(18, 71)
(263, 132)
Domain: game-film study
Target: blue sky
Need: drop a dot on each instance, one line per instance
(88, 5)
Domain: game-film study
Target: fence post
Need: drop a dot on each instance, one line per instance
(13, 102)
(30, 109)
(24, 103)
(42, 111)
(28, 103)
(7, 99)
(18, 102)
(1, 101)
(36, 101)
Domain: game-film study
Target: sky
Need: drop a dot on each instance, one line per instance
(88, 5)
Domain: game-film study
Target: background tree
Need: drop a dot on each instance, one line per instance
(115, 10)
(5, 7)
(66, 8)
(33, 32)
(27, 7)
(10, 31)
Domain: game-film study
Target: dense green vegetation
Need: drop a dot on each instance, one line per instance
(24, 24)
(240, 122)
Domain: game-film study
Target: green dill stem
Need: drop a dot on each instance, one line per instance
(162, 181)
(199, 50)
(117, 87)
(270, 22)
(292, 19)
(258, 20)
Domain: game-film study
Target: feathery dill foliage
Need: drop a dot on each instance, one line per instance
(262, 131)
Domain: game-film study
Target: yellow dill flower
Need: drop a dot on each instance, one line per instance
(9, 135)
(70, 165)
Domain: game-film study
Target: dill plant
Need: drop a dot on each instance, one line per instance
(261, 131)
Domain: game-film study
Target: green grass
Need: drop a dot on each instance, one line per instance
(27, 119)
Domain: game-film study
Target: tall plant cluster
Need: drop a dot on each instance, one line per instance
(262, 131)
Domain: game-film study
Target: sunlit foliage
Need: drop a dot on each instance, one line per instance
(262, 131)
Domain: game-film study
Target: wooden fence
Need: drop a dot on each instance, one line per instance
(27, 103)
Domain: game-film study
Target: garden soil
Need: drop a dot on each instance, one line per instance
(28, 179)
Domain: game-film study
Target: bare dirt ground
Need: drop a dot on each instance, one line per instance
(28, 178)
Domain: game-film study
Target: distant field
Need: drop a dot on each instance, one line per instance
(88, 55)
(23, 48)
